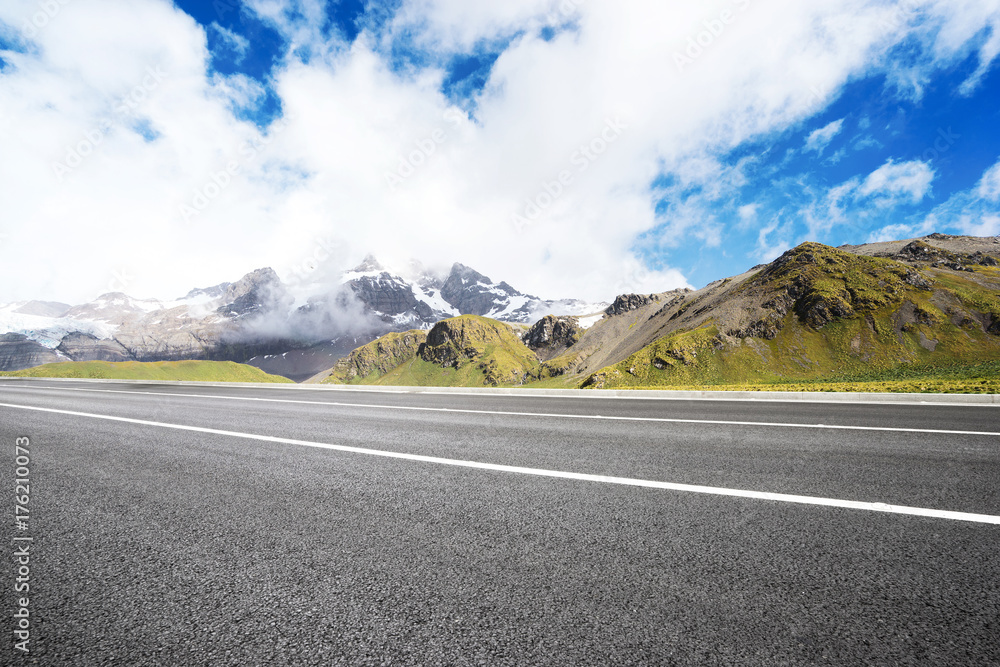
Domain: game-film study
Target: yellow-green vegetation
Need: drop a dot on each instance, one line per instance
(827, 283)
(202, 371)
(816, 319)
(841, 319)
(889, 386)
(557, 367)
(958, 379)
(370, 362)
(557, 382)
(973, 296)
(466, 351)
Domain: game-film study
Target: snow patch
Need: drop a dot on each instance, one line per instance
(590, 320)
(432, 297)
(49, 331)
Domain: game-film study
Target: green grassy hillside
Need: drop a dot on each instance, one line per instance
(816, 319)
(830, 315)
(466, 351)
(370, 362)
(203, 371)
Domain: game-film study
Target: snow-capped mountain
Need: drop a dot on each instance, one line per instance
(257, 319)
(417, 299)
(47, 327)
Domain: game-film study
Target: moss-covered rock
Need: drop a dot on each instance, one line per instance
(491, 346)
(821, 284)
(551, 335)
(466, 351)
(377, 357)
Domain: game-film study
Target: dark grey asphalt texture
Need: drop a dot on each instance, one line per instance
(156, 546)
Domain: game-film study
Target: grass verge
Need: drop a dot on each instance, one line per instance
(198, 371)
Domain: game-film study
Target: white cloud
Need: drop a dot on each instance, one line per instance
(989, 184)
(272, 198)
(820, 139)
(987, 54)
(830, 209)
(238, 44)
(899, 231)
(851, 202)
(747, 212)
(768, 250)
(894, 181)
(975, 212)
(460, 24)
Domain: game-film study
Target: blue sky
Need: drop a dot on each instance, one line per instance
(870, 123)
(571, 147)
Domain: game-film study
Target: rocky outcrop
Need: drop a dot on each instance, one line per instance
(86, 347)
(390, 296)
(379, 356)
(452, 341)
(18, 352)
(150, 345)
(472, 293)
(551, 335)
(418, 297)
(115, 308)
(258, 291)
(627, 302)
(919, 252)
(599, 380)
(822, 284)
(492, 346)
(369, 263)
(213, 292)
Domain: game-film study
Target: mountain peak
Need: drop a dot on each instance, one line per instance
(368, 264)
(466, 274)
(257, 290)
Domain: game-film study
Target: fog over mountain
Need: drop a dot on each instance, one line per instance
(295, 329)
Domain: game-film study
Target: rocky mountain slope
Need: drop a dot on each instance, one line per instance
(463, 351)
(417, 298)
(18, 351)
(814, 312)
(817, 312)
(258, 320)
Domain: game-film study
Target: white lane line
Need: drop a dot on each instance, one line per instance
(506, 413)
(735, 396)
(540, 472)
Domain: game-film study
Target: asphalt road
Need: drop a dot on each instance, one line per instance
(154, 545)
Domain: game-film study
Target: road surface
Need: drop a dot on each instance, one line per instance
(211, 525)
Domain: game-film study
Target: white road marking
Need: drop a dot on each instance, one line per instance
(724, 396)
(540, 472)
(506, 413)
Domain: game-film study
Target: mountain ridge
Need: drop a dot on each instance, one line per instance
(813, 312)
(257, 320)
